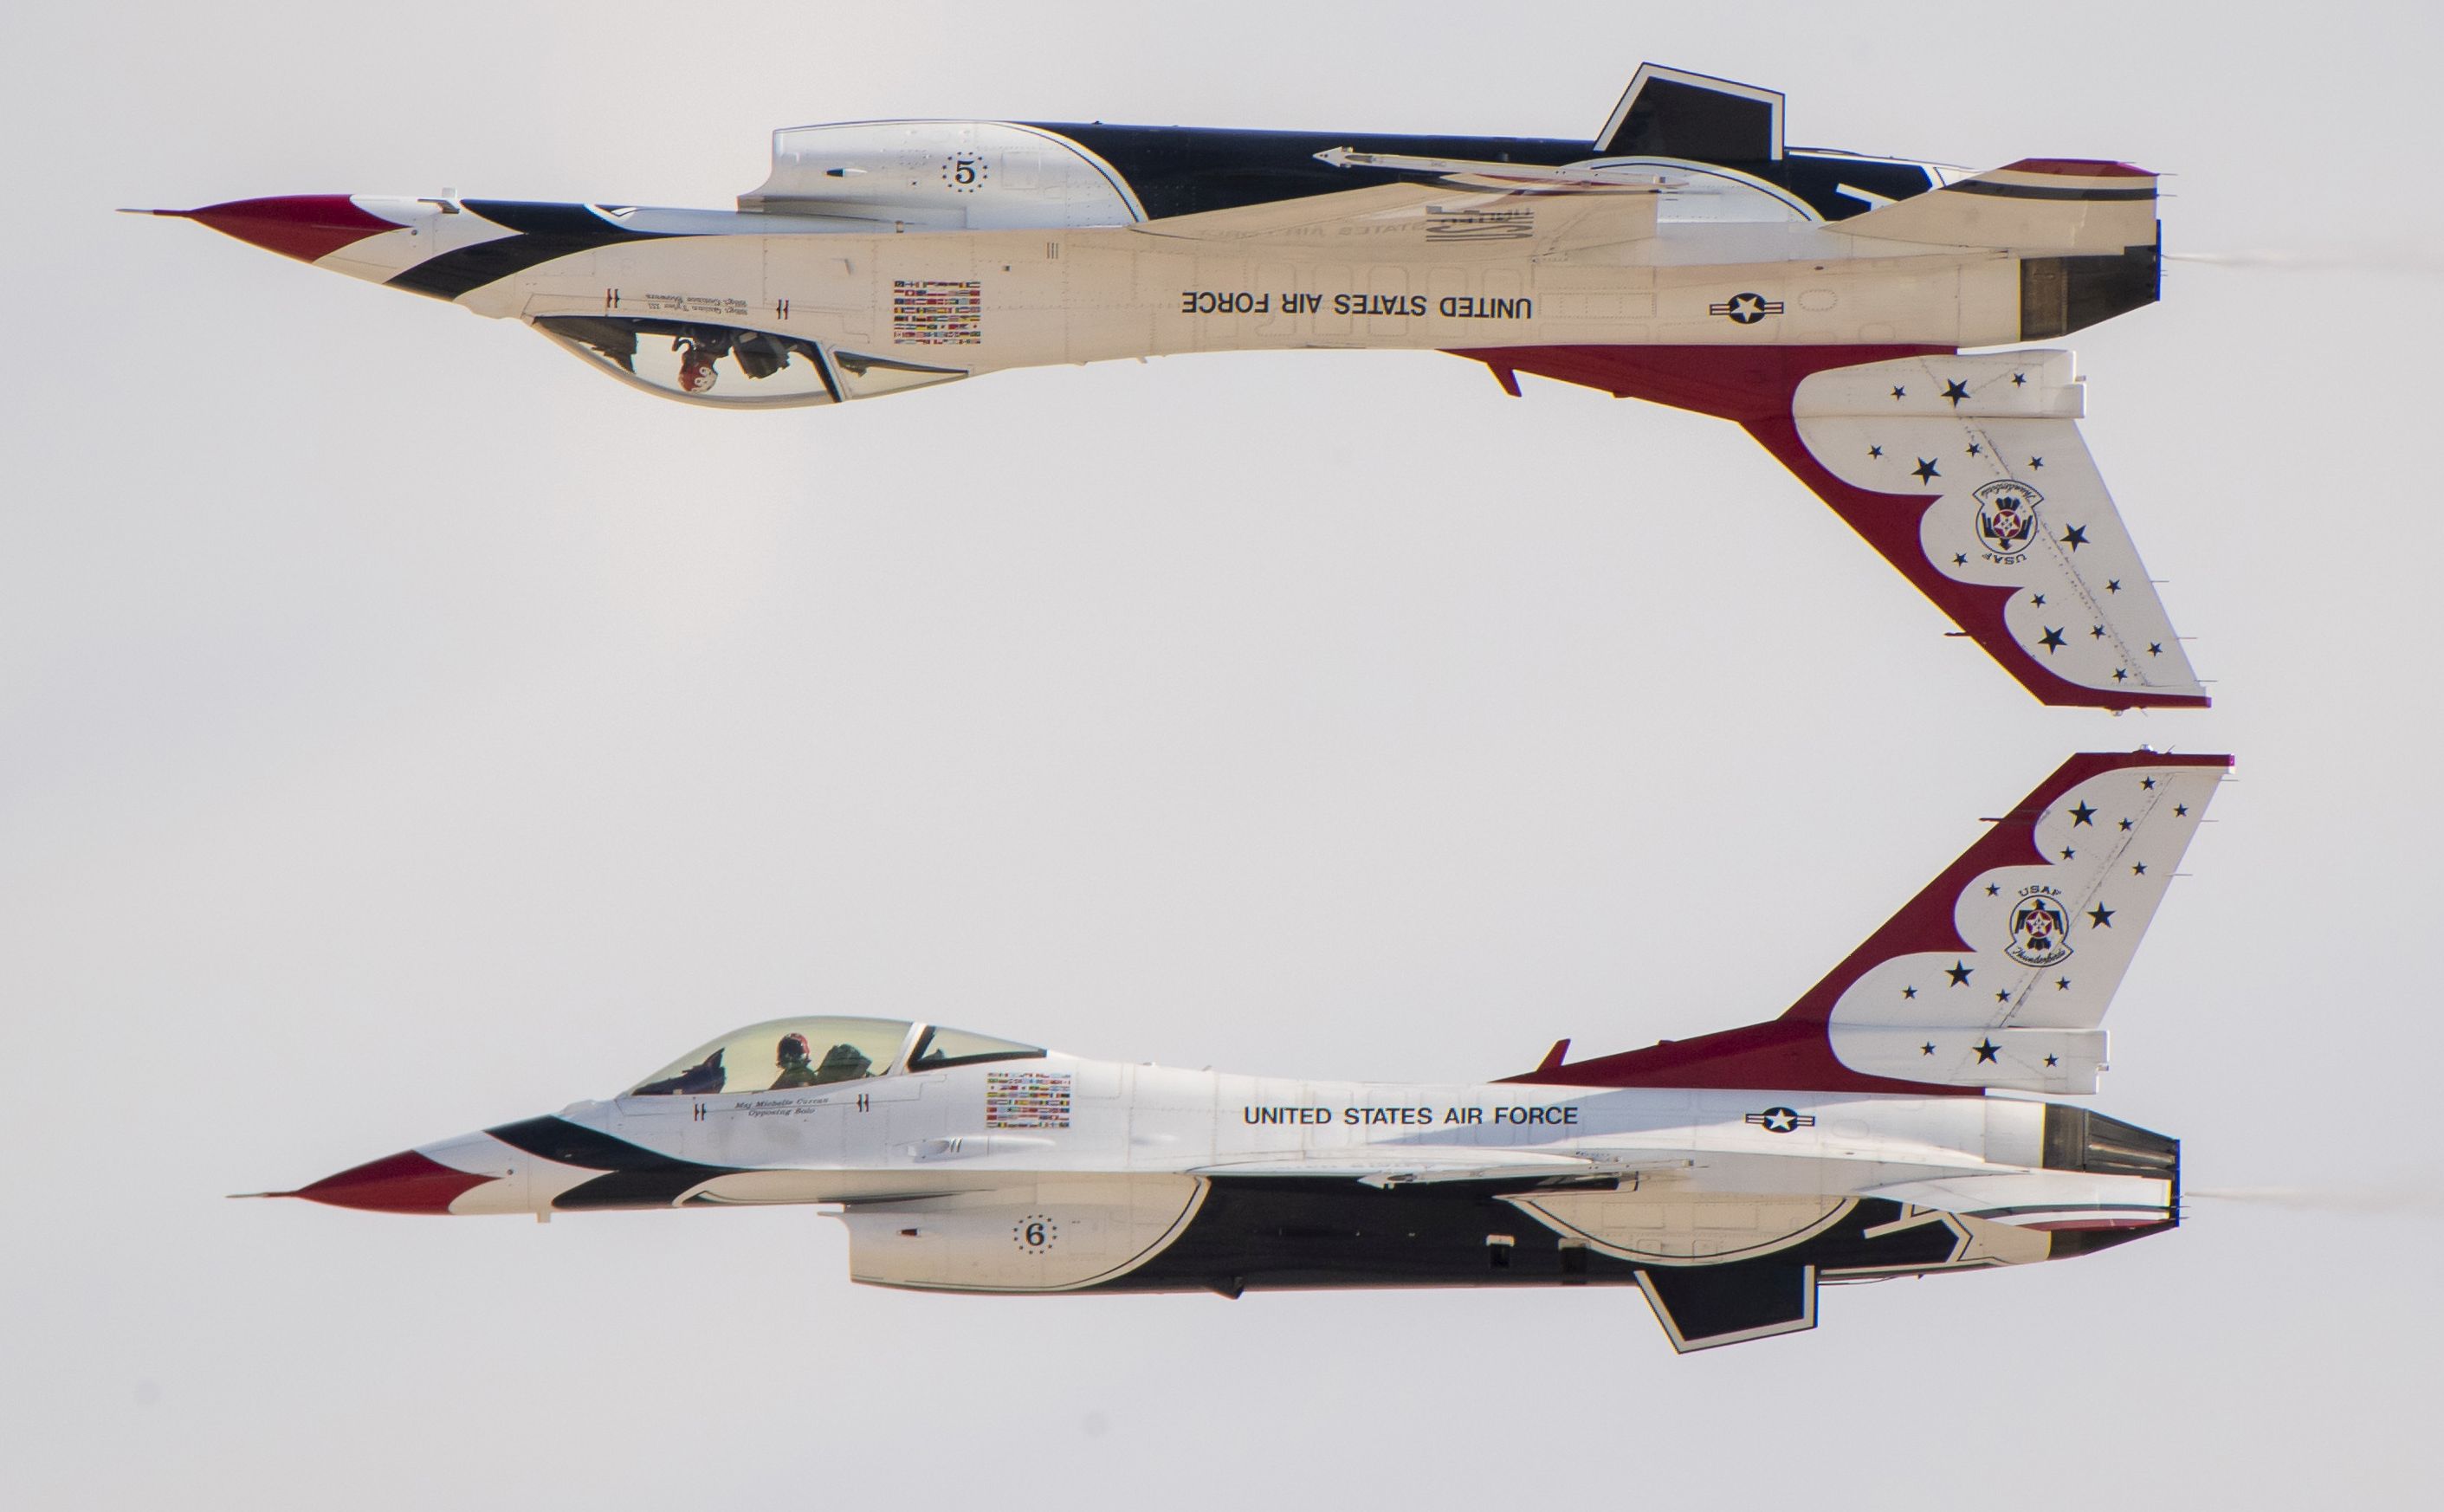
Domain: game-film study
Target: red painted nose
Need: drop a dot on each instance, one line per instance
(305, 226)
(404, 1183)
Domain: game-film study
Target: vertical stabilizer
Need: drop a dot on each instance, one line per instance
(1996, 974)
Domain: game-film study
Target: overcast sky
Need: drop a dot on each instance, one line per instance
(403, 729)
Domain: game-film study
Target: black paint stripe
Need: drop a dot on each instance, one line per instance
(543, 231)
(540, 217)
(1183, 169)
(1981, 186)
(634, 1189)
(633, 1176)
(576, 1145)
(1264, 1233)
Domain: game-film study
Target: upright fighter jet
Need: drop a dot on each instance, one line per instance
(1684, 254)
(1855, 1138)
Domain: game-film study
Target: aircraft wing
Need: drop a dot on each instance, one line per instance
(1967, 472)
(1452, 218)
(1400, 1166)
(1511, 177)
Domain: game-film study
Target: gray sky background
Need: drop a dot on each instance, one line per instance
(404, 729)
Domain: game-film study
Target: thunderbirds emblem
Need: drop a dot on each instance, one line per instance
(2007, 518)
(2040, 928)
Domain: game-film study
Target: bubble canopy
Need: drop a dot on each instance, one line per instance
(785, 1054)
(694, 358)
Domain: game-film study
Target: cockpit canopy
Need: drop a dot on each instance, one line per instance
(708, 362)
(785, 1054)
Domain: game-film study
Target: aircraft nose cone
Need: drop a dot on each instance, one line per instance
(404, 1183)
(305, 226)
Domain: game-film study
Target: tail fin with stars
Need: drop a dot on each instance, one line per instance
(1995, 975)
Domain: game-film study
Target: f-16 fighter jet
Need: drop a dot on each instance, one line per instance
(1683, 255)
(1728, 1176)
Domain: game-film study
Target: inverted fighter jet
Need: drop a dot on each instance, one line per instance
(1872, 1130)
(1684, 255)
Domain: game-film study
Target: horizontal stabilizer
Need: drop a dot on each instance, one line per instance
(1537, 214)
(1386, 1166)
(1508, 177)
(2041, 1200)
(2047, 205)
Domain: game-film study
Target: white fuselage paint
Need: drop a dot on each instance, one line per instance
(1066, 269)
(913, 1134)
(1086, 296)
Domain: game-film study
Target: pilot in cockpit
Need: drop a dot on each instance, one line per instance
(842, 1062)
(697, 372)
(797, 1064)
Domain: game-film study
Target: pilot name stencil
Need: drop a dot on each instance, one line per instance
(693, 304)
